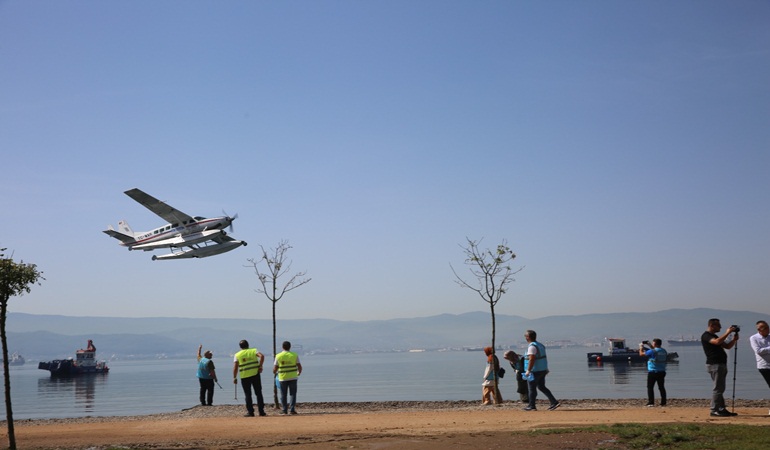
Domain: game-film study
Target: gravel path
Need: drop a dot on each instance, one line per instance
(356, 407)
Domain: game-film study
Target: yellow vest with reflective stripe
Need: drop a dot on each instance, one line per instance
(287, 366)
(248, 362)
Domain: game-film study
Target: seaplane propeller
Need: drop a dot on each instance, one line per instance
(230, 219)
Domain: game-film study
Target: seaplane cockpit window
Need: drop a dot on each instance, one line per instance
(199, 218)
(174, 225)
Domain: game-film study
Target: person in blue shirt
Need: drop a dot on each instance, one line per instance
(207, 376)
(656, 370)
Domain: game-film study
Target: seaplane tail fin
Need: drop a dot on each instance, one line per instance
(125, 228)
(124, 233)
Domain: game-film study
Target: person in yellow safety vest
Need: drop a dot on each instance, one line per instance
(288, 369)
(248, 363)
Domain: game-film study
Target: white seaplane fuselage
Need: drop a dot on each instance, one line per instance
(186, 236)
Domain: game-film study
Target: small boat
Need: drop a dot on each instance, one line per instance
(16, 360)
(84, 363)
(618, 352)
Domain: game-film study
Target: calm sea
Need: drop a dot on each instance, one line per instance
(155, 386)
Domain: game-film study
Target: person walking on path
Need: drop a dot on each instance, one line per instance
(716, 363)
(760, 343)
(536, 368)
(288, 368)
(517, 364)
(207, 376)
(656, 370)
(488, 396)
(248, 363)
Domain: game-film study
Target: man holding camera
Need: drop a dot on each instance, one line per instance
(716, 362)
(656, 369)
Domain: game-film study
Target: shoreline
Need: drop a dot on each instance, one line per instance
(230, 410)
(411, 425)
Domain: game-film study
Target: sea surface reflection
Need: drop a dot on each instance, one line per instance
(78, 391)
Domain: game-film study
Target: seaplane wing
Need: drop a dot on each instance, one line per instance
(186, 236)
(165, 211)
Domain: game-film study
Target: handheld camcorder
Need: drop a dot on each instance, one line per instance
(647, 343)
(736, 328)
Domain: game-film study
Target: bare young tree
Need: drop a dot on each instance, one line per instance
(277, 267)
(493, 274)
(15, 280)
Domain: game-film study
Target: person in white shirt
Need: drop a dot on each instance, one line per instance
(760, 343)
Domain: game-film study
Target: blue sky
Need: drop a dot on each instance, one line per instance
(621, 148)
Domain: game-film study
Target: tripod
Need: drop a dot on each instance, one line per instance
(735, 368)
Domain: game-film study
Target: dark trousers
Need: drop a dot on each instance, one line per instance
(256, 383)
(290, 387)
(652, 378)
(766, 373)
(539, 383)
(207, 391)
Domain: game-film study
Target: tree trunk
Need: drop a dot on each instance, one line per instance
(272, 377)
(498, 395)
(7, 377)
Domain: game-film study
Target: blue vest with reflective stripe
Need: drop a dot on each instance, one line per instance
(657, 363)
(541, 363)
(203, 370)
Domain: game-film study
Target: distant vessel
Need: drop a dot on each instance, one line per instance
(618, 352)
(84, 363)
(683, 342)
(16, 360)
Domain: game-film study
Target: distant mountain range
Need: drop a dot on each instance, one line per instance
(43, 337)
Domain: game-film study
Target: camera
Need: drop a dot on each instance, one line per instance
(647, 343)
(736, 328)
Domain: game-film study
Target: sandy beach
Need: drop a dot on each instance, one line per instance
(368, 425)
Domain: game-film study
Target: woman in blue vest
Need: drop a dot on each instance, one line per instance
(656, 370)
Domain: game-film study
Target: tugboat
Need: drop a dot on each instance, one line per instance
(618, 352)
(84, 363)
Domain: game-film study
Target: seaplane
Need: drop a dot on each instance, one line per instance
(186, 236)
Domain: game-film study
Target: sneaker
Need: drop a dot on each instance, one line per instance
(720, 413)
(530, 408)
(554, 406)
(293, 412)
(663, 404)
(283, 413)
(262, 414)
(249, 414)
(651, 405)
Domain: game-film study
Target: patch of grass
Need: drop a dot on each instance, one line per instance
(680, 436)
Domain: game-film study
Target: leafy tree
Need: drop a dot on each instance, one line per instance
(15, 280)
(493, 274)
(277, 267)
